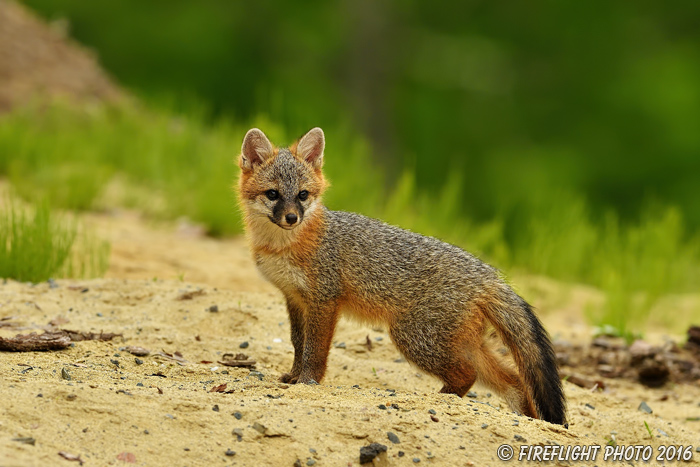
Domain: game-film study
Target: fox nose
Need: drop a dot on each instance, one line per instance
(291, 218)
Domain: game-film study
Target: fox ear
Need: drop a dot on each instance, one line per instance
(255, 150)
(310, 147)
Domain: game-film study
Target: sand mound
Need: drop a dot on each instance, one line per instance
(37, 60)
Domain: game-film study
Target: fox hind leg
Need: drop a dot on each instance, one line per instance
(496, 375)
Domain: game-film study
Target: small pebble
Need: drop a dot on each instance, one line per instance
(434, 418)
(256, 374)
(401, 453)
(519, 438)
(238, 415)
(590, 406)
(516, 423)
(393, 438)
(310, 462)
(368, 453)
(416, 460)
(215, 408)
(230, 453)
(213, 309)
(71, 397)
(484, 425)
(65, 375)
(472, 394)
(138, 361)
(644, 407)
(244, 345)
(382, 406)
(115, 362)
(139, 385)
(433, 412)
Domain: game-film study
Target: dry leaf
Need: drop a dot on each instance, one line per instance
(70, 457)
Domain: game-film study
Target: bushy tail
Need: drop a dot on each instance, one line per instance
(523, 334)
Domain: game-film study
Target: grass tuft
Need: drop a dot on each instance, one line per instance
(36, 244)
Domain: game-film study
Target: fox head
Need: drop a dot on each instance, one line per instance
(280, 188)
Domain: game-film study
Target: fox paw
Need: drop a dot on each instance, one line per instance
(289, 378)
(306, 380)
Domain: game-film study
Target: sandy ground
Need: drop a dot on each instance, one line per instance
(163, 413)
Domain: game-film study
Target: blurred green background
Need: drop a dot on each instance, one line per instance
(599, 98)
(555, 138)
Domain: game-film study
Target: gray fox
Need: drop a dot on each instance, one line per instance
(436, 299)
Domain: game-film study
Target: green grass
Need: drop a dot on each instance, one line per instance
(185, 165)
(36, 244)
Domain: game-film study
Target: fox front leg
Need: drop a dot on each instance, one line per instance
(296, 321)
(320, 327)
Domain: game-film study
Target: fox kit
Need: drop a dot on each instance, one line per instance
(436, 299)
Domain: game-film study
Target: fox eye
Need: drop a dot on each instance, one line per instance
(303, 194)
(272, 194)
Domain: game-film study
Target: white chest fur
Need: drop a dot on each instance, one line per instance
(279, 270)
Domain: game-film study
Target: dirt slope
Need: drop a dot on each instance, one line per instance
(38, 60)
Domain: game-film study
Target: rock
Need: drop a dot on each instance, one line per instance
(138, 361)
(259, 428)
(640, 349)
(238, 432)
(137, 351)
(213, 309)
(484, 426)
(244, 345)
(519, 439)
(432, 412)
(644, 407)
(392, 437)
(472, 395)
(65, 375)
(256, 374)
(653, 373)
(238, 415)
(368, 453)
(215, 408)
(310, 462)
(382, 406)
(230, 453)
